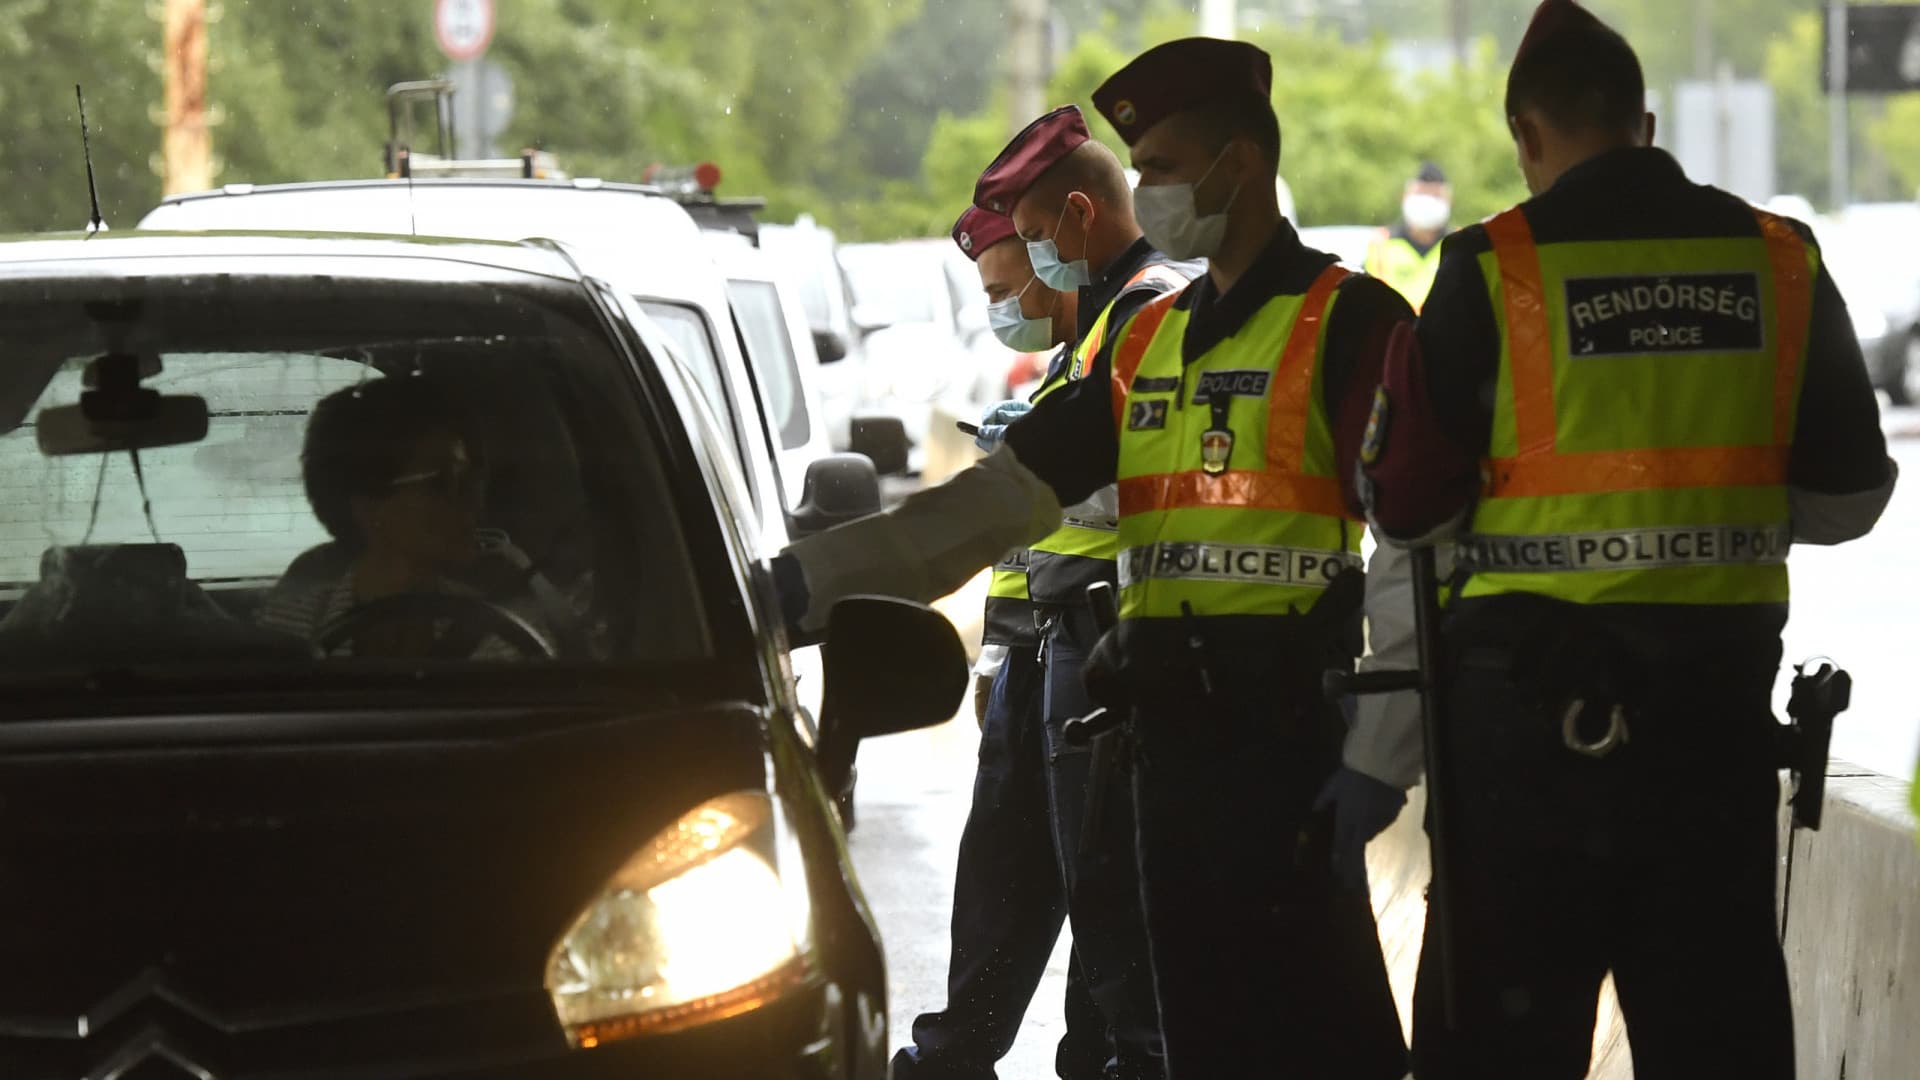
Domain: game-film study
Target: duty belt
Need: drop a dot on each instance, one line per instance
(1628, 549)
(1251, 564)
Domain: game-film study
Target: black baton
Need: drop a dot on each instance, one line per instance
(1425, 679)
(1099, 728)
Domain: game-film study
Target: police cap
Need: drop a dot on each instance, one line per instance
(977, 230)
(1038, 147)
(1552, 18)
(1179, 76)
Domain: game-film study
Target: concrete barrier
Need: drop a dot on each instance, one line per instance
(1850, 918)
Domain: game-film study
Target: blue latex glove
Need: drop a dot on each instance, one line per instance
(993, 423)
(1362, 809)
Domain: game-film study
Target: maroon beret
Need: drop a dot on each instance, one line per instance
(1551, 18)
(977, 230)
(1031, 153)
(1178, 76)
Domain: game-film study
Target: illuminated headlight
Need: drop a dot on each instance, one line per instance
(698, 926)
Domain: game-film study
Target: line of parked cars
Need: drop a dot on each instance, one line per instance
(394, 682)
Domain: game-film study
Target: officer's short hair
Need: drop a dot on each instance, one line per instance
(1248, 116)
(1091, 168)
(1585, 78)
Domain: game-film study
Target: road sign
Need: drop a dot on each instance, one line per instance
(463, 27)
(1882, 50)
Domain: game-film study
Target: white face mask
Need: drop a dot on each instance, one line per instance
(1170, 217)
(1425, 212)
(1045, 256)
(1014, 329)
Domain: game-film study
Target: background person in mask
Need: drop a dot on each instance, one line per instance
(1009, 901)
(1226, 412)
(1408, 255)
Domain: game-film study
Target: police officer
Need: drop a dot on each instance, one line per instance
(1407, 255)
(1069, 199)
(1009, 901)
(1218, 413)
(1660, 387)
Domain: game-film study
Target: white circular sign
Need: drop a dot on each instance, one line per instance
(464, 27)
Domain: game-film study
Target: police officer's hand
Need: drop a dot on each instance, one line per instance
(1362, 809)
(982, 693)
(993, 423)
(1103, 675)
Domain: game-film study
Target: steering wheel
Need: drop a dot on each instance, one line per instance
(477, 614)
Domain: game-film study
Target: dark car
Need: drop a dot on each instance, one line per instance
(388, 686)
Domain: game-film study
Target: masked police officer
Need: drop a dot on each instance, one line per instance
(1219, 413)
(1069, 199)
(1628, 396)
(1009, 900)
(1407, 255)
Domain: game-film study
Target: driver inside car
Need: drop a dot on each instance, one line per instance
(394, 478)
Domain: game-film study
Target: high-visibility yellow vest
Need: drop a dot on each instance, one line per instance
(1644, 416)
(1394, 260)
(1060, 566)
(1228, 499)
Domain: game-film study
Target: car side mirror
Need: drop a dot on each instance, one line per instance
(883, 439)
(891, 665)
(830, 346)
(839, 488)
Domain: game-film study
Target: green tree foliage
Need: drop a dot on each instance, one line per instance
(46, 46)
(871, 114)
(1884, 132)
(1352, 130)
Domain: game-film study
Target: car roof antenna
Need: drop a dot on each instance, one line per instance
(405, 156)
(96, 224)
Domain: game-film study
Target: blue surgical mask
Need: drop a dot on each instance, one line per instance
(1015, 330)
(1045, 255)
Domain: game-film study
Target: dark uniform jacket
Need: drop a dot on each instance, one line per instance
(1627, 194)
(1071, 441)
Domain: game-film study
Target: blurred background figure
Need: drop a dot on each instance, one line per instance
(1406, 255)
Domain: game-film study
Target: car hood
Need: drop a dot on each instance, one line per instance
(346, 869)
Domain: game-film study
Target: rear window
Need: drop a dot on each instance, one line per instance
(763, 324)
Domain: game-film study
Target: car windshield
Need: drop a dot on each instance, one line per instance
(388, 471)
(894, 283)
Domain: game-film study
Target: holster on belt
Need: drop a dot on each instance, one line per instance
(1268, 663)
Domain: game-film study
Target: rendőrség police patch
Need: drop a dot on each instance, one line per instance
(1639, 315)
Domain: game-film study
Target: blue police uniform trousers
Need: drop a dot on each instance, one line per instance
(1103, 884)
(1264, 966)
(1008, 906)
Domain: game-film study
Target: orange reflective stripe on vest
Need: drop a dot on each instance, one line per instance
(1281, 485)
(1540, 469)
(1133, 349)
(1089, 347)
